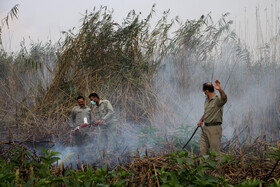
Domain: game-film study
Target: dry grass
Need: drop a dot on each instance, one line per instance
(121, 63)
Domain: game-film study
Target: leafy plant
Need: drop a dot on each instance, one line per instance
(250, 183)
(188, 172)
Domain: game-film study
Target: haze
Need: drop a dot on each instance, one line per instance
(45, 19)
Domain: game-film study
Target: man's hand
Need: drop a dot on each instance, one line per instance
(96, 122)
(219, 88)
(200, 123)
(218, 85)
(84, 125)
(72, 131)
(101, 121)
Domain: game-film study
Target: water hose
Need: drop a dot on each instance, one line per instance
(194, 134)
(272, 171)
(190, 137)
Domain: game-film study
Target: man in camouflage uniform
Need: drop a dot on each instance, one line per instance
(212, 118)
(80, 115)
(105, 118)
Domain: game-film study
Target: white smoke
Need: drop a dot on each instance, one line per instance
(252, 87)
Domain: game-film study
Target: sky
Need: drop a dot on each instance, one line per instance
(44, 20)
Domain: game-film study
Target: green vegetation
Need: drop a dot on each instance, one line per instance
(24, 168)
(146, 70)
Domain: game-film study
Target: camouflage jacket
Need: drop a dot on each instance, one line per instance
(105, 111)
(79, 114)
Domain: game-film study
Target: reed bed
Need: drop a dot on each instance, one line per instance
(147, 72)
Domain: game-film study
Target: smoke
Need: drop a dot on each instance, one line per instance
(250, 82)
(251, 85)
(116, 149)
(251, 110)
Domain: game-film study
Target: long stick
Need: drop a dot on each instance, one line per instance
(191, 137)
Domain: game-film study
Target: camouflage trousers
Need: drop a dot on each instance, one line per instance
(213, 135)
(80, 139)
(105, 136)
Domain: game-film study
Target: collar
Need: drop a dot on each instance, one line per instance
(214, 97)
(103, 101)
(100, 102)
(83, 108)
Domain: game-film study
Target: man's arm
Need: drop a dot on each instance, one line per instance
(110, 111)
(91, 116)
(222, 93)
(201, 121)
(92, 121)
